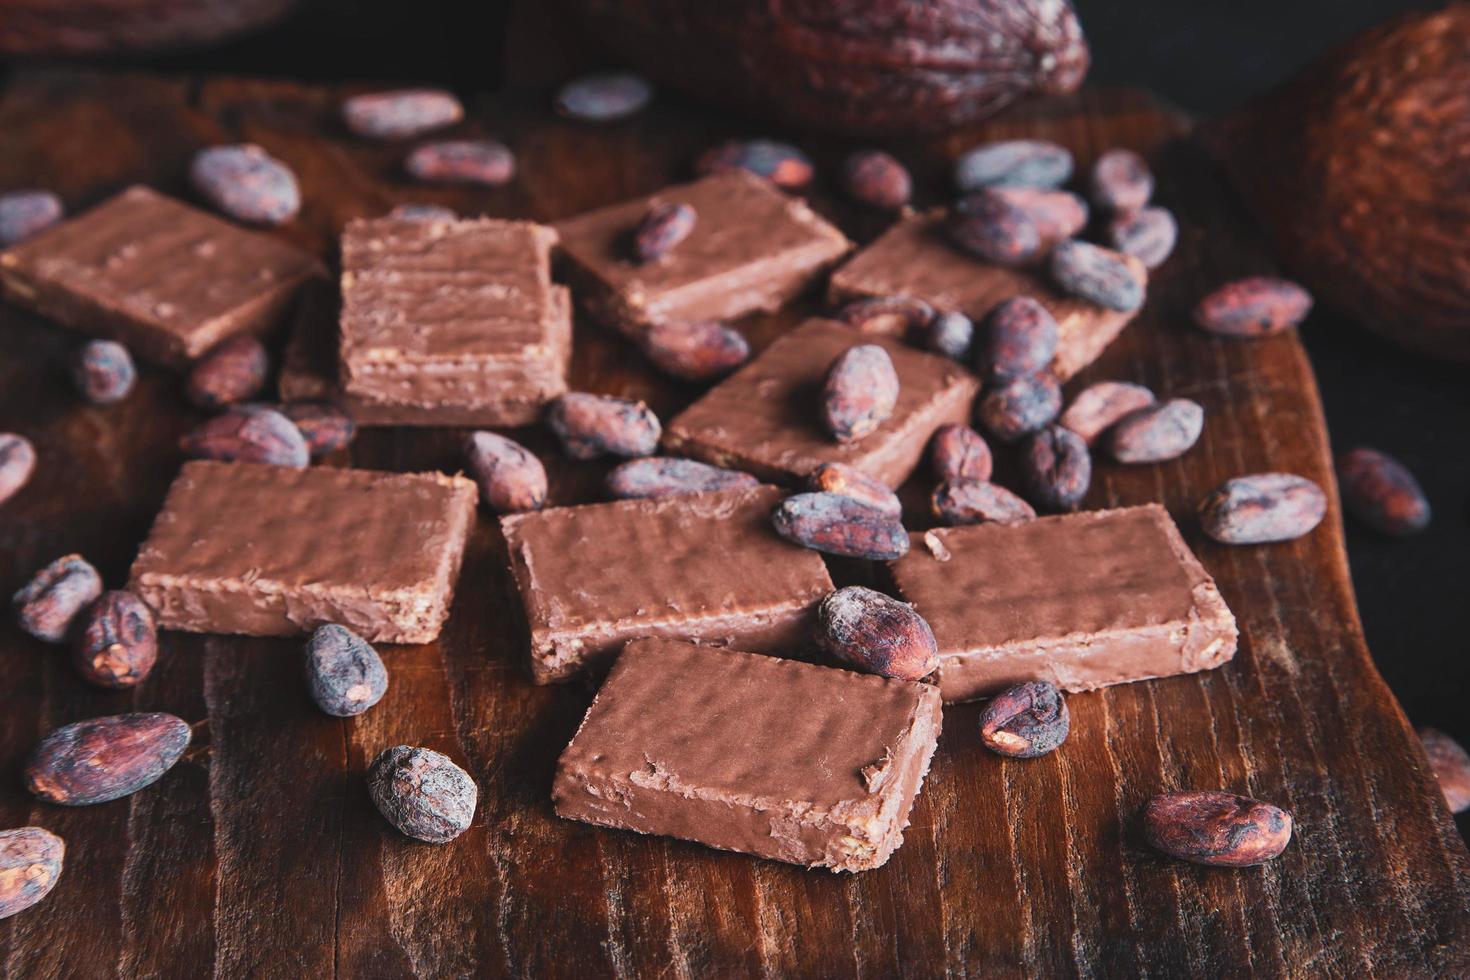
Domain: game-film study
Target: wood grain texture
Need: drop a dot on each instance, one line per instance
(261, 854)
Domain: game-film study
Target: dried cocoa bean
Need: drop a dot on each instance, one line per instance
(1058, 215)
(888, 316)
(1121, 181)
(590, 426)
(1381, 492)
(1451, 766)
(875, 179)
(483, 162)
(1215, 828)
(26, 213)
(324, 426)
(1020, 406)
(695, 350)
(1262, 508)
(951, 334)
(989, 227)
(422, 793)
(1020, 339)
(839, 525)
(17, 463)
(30, 864)
(780, 163)
(50, 602)
(978, 502)
(510, 476)
(1098, 407)
(248, 434)
(103, 372)
(1099, 275)
(662, 227)
(233, 372)
(877, 634)
(402, 114)
(1013, 163)
(849, 481)
(105, 758)
(666, 476)
(1148, 234)
(604, 97)
(860, 392)
(1255, 307)
(343, 671)
(1163, 431)
(1026, 720)
(1057, 468)
(246, 183)
(117, 642)
(959, 453)
(423, 212)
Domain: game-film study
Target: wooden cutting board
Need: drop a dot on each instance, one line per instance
(261, 854)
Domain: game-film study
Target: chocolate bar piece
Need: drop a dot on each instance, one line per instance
(777, 758)
(767, 419)
(167, 280)
(752, 248)
(271, 551)
(914, 258)
(449, 322)
(1082, 600)
(704, 567)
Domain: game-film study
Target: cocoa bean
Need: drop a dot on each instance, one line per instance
(343, 671)
(951, 334)
(590, 426)
(875, 179)
(1099, 275)
(1098, 407)
(1215, 828)
(31, 860)
(49, 603)
(246, 183)
(978, 502)
(324, 426)
(876, 634)
(103, 372)
(422, 793)
(1020, 406)
(860, 392)
(402, 114)
(1013, 163)
(1381, 492)
(1262, 508)
(1057, 468)
(483, 162)
(26, 213)
(889, 316)
(17, 463)
(248, 434)
(1451, 766)
(1148, 234)
(105, 758)
(666, 476)
(695, 350)
(510, 476)
(233, 372)
(1020, 339)
(957, 452)
(839, 525)
(423, 212)
(1058, 215)
(117, 642)
(662, 227)
(1156, 433)
(1255, 307)
(849, 481)
(1026, 720)
(604, 97)
(989, 227)
(780, 163)
(1121, 181)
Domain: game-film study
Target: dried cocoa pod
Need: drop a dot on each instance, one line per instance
(324, 426)
(989, 227)
(1218, 829)
(423, 212)
(1020, 406)
(1121, 181)
(1381, 492)
(780, 163)
(31, 860)
(957, 452)
(839, 525)
(1058, 215)
(695, 350)
(849, 481)
(117, 642)
(875, 179)
(1262, 508)
(1020, 338)
(1451, 766)
(26, 213)
(1099, 275)
(888, 316)
(248, 434)
(47, 605)
(483, 162)
(233, 372)
(1163, 431)
(978, 502)
(17, 463)
(246, 183)
(103, 372)
(1258, 306)
(401, 114)
(1025, 720)
(343, 672)
(860, 392)
(667, 476)
(1098, 407)
(951, 334)
(1148, 234)
(604, 97)
(1057, 468)
(590, 426)
(877, 634)
(105, 759)
(423, 793)
(665, 225)
(510, 476)
(1013, 163)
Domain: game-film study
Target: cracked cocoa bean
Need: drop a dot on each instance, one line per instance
(1121, 181)
(1058, 215)
(1099, 275)
(31, 860)
(1216, 828)
(877, 634)
(1098, 407)
(667, 476)
(248, 434)
(661, 229)
(48, 605)
(1026, 720)
(17, 463)
(888, 316)
(951, 334)
(343, 672)
(839, 525)
(1020, 338)
(1013, 163)
(117, 642)
(246, 183)
(324, 426)
(780, 163)
(1163, 431)
(1381, 492)
(1020, 406)
(604, 97)
(695, 350)
(26, 213)
(860, 392)
(1057, 468)
(989, 227)
(510, 476)
(401, 114)
(483, 162)
(1148, 234)
(103, 372)
(1262, 508)
(104, 759)
(875, 179)
(233, 372)
(1255, 307)
(957, 452)
(849, 481)
(590, 426)
(978, 502)
(423, 793)
(1451, 766)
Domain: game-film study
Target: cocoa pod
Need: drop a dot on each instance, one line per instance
(233, 372)
(1020, 338)
(780, 163)
(1381, 492)
(1258, 306)
(26, 213)
(1262, 508)
(248, 434)
(1163, 431)
(951, 334)
(877, 634)
(324, 426)
(590, 426)
(860, 392)
(1020, 406)
(978, 502)
(103, 372)
(423, 212)
(667, 476)
(1218, 829)
(423, 793)
(849, 481)
(695, 350)
(1121, 181)
(1148, 234)
(1057, 468)
(401, 114)
(1451, 766)
(1058, 215)
(50, 602)
(246, 183)
(343, 672)
(1098, 407)
(31, 860)
(989, 227)
(888, 316)
(1099, 275)
(117, 642)
(662, 227)
(510, 476)
(104, 759)
(17, 463)
(604, 97)
(875, 179)
(1013, 163)
(1025, 720)
(839, 525)
(959, 453)
(483, 162)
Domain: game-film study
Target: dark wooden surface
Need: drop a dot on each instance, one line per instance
(261, 854)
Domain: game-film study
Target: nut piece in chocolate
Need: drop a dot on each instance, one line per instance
(104, 759)
(423, 793)
(1026, 720)
(1215, 828)
(877, 634)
